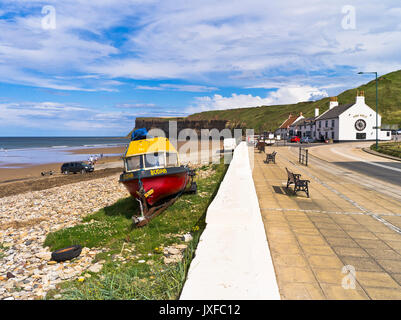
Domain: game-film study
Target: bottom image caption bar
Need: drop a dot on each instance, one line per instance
(200, 310)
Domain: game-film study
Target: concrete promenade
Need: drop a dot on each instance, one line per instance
(344, 242)
(232, 260)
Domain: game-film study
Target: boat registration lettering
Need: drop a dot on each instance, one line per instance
(149, 193)
(158, 171)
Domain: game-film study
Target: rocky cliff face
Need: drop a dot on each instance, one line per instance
(183, 123)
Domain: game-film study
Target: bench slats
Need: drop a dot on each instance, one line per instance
(299, 185)
(271, 157)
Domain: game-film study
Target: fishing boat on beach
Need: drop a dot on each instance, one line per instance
(153, 175)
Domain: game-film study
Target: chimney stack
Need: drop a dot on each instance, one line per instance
(360, 97)
(316, 112)
(333, 102)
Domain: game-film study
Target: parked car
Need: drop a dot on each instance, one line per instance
(76, 167)
(295, 139)
(307, 140)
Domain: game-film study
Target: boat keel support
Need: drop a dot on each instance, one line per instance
(147, 213)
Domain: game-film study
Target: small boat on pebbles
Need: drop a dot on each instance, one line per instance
(153, 175)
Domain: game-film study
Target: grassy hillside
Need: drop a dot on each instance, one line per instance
(270, 117)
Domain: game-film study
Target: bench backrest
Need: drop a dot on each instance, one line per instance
(290, 175)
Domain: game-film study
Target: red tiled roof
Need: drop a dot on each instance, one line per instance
(291, 119)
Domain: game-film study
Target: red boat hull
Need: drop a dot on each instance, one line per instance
(159, 186)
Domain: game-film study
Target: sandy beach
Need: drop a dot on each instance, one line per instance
(28, 172)
(16, 180)
(98, 151)
(16, 173)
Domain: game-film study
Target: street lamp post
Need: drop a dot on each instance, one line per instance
(377, 115)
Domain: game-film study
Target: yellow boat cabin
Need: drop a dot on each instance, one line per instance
(152, 153)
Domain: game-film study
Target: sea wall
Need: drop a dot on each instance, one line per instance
(232, 260)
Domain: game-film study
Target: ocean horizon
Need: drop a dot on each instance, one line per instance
(21, 151)
(11, 143)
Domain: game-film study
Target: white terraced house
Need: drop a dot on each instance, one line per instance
(285, 131)
(346, 122)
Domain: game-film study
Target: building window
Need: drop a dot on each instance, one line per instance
(332, 134)
(332, 123)
(327, 123)
(320, 124)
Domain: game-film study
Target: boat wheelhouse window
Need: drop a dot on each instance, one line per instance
(171, 159)
(155, 159)
(134, 163)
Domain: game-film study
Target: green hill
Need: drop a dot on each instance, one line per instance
(270, 118)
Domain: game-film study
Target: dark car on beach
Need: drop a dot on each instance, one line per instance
(76, 167)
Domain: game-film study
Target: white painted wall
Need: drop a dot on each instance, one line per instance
(383, 135)
(232, 260)
(359, 110)
(329, 129)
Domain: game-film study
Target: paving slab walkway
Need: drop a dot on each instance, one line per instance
(344, 242)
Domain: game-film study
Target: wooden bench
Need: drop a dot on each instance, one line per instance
(261, 146)
(271, 157)
(299, 185)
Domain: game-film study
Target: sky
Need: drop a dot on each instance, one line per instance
(89, 68)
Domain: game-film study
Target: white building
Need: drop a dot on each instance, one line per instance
(347, 122)
(285, 131)
(304, 127)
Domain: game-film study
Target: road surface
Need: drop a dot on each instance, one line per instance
(350, 156)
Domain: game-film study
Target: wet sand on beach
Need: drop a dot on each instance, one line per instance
(37, 183)
(97, 151)
(29, 178)
(18, 172)
(8, 175)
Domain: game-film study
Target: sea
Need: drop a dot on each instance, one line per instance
(22, 151)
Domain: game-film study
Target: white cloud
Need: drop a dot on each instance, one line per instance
(284, 95)
(219, 42)
(295, 94)
(257, 36)
(74, 119)
(178, 87)
(61, 117)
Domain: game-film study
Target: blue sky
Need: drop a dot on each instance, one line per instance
(70, 68)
